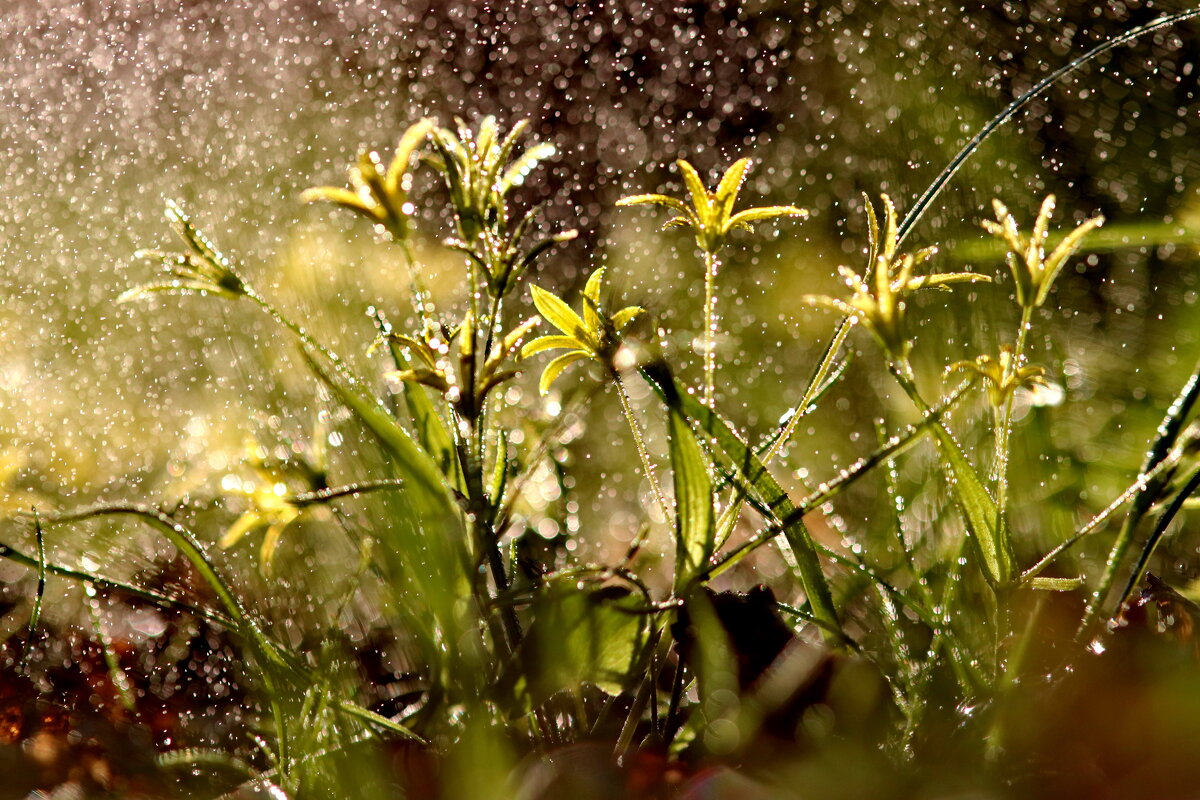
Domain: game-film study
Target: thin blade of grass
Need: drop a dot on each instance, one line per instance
(41, 572)
(930, 194)
(1147, 492)
(1160, 530)
(731, 452)
(427, 492)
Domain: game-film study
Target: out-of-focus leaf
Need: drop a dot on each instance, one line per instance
(427, 490)
(694, 523)
(593, 636)
(731, 453)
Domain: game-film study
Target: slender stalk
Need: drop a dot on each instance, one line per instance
(1168, 463)
(305, 337)
(422, 300)
(1012, 673)
(1004, 418)
(828, 490)
(639, 443)
(711, 265)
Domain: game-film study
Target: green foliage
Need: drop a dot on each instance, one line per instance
(512, 651)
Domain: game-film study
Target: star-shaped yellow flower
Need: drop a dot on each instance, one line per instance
(710, 215)
(432, 351)
(1002, 375)
(1034, 271)
(378, 193)
(593, 335)
(879, 304)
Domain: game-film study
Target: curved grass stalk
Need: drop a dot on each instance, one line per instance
(639, 443)
(1160, 529)
(827, 491)
(1165, 444)
(1133, 490)
(930, 194)
(240, 623)
(82, 576)
(187, 543)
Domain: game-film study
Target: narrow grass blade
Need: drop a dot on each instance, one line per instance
(930, 194)
(1148, 491)
(731, 452)
(36, 615)
(695, 532)
(427, 491)
(894, 446)
(266, 653)
(116, 675)
(431, 431)
(1160, 530)
(26, 560)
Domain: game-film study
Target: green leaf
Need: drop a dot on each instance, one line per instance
(984, 523)
(427, 491)
(695, 532)
(1056, 584)
(525, 164)
(591, 636)
(179, 287)
(730, 453)
(432, 433)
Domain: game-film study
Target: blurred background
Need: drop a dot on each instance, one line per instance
(109, 108)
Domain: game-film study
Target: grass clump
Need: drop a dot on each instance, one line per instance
(517, 654)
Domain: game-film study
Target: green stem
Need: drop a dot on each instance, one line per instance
(1004, 421)
(711, 265)
(305, 337)
(422, 300)
(639, 443)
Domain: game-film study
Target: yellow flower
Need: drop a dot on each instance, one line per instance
(475, 165)
(710, 214)
(1002, 375)
(200, 270)
(1034, 271)
(268, 497)
(432, 350)
(378, 193)
(269, 508)
(879, 303)
(593, 335)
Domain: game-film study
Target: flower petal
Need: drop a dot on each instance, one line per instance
(244, 524)
(559, 314)
(620, 321)
(555, 368)
(730, 185)
(544, 343)
(591, 302)
(654, 200)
